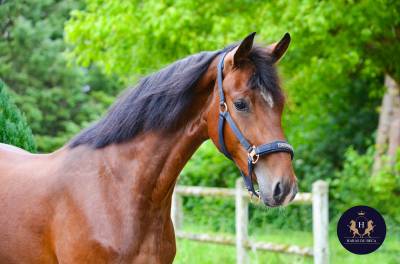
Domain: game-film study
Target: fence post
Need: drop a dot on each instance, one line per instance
(176, 211)
(242, 212)
(320, 222)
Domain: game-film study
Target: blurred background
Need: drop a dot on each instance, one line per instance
(62, 63)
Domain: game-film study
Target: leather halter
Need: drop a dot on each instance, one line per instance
(253, 152)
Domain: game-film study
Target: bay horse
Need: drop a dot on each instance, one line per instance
(105, 197)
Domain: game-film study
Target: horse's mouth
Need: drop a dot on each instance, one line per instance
(258, 199)
(269, 201)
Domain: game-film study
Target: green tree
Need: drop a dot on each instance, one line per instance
(57, 96)
(13, 127)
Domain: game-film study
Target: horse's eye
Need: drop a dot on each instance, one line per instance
(241, 105)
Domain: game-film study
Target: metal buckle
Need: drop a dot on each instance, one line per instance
(223, 108)
(253, 156)
(257, 200)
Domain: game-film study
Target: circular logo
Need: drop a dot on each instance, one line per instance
(361, 229)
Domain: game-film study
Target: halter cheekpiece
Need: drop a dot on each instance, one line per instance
(253, 152)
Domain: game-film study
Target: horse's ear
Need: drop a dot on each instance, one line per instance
(242, 51)
(278, 49)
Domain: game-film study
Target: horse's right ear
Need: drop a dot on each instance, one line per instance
(278, 49)
(242, 51)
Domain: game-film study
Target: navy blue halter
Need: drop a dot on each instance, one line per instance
(253, 152)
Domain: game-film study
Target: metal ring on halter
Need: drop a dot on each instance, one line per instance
(223, 108)
(258, 196)
(253, 156)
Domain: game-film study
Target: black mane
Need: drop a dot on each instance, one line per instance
(160, 98)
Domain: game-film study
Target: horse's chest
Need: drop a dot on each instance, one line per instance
(138, 243)
(126, 237)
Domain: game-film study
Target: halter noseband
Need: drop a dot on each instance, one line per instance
(253, 152)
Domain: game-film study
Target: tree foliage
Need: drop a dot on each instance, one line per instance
(381, 191)
(57, 96)
(13, 127)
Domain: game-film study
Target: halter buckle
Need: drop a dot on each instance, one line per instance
(257, 200)
(223, 108)
(253, 156)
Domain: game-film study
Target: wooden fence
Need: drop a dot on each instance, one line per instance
(318, 198)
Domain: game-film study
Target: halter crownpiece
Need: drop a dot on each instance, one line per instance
(253, 152)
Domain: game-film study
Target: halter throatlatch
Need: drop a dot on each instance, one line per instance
(253, 152)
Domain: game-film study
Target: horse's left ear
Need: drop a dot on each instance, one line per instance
(242, 51)
(278, 49)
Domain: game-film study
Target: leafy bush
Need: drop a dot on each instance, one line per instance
(209, 168)
(13, 127)
(354, 185)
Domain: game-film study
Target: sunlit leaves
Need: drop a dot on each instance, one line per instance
(332, 71)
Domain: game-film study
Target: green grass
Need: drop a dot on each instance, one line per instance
(195, 252)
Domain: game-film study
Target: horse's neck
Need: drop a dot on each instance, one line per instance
(153, 160)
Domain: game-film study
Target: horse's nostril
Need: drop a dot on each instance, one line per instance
(277, 191)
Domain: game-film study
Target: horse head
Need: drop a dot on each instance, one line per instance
(250, 92)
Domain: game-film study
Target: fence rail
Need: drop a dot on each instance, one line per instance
(318, 198)
(229, 240)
